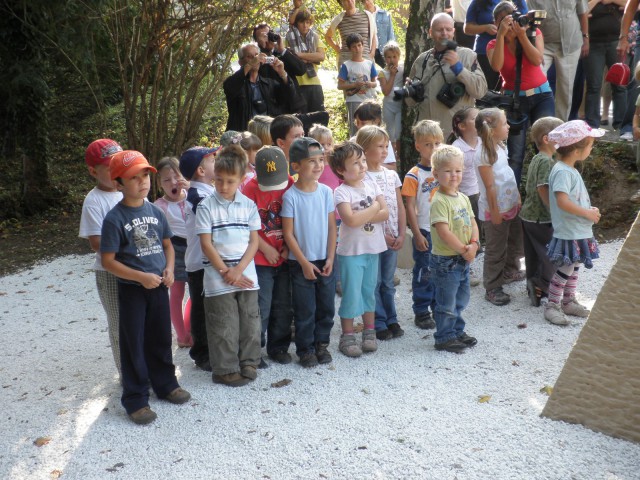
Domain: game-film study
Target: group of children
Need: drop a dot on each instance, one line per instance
(253, 230)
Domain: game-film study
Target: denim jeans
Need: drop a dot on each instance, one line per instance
(199, 352)
(274, 300)
(386, 290)
(451, 276)
(422, 285)
(313, 306)
(602, 54)
(536, 106)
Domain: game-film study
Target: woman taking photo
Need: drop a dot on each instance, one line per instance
(535, 96)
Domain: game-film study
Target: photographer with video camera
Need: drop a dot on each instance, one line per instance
(517, 53)
(443, 79)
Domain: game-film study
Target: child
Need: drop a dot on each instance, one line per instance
(324, 137)
(498, 207)
(418, 188)
(390, 78)
(375, 142)
(274, 296)
(227, 223)
(284, 130)
(174, 205)
(260, 126)
(572, 216)
(197, 165)
(535, 216)
(357, 78)
(309, 227)
(136, 247)
(370, 113)
(455, 245)
(363, 210)
(464, 131)
(250, 143)
(102, 198)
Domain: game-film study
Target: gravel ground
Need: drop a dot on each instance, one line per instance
(406, 411)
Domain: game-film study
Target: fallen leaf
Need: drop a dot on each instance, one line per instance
(484, 398)
(55, 474)
(522, 325)
(266, 411)
(365, 391)
(40, 441)
(363, 447)
(547, 390)
(282, 383)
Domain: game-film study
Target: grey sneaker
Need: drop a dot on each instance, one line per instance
(575, 309)
(553, 314)
(348, 346)
(369, 342)
(424, 321)
(497, 296)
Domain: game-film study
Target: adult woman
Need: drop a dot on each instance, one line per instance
(305, 42)
(479, 22)
(350, 21)
(535, 96)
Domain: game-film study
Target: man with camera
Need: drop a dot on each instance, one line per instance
(443, 79)
(249, 93)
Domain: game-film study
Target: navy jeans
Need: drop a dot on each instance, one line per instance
(313, 307)
(386, 290)
(451, 276)
(536, 106)
(602, 54)
(199, 352)
(274, 300)
(145, 344)
(422, 284)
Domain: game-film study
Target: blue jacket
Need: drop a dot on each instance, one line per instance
(385, 28)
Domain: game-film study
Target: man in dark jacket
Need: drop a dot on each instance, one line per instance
(249, 92)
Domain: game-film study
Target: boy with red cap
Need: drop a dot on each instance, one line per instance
(136, 248)
(97, 204)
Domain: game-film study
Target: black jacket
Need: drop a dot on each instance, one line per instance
(295, 67)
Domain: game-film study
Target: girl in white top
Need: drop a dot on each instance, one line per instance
(173, 203)
(390, 78)
(375, 142)
(498, 206)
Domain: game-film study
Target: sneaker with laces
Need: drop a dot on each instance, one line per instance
(468, 340)
(144, 416)
(178, 396)
(348, 345)
(516, 276)
(396, 330)
(231, 379)
(454, 346)
(369, 342)
(309, 360)
(497, 296)
(575, 309)
(424, 321)
(627, 137)
(249, 371)
(322, 353)
(554, 314)
(384, 334)
(283, 358)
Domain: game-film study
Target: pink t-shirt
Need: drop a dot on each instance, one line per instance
(532, 75)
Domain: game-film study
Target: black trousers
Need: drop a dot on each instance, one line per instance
(199, 352)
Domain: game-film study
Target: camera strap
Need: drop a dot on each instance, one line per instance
(518, 81)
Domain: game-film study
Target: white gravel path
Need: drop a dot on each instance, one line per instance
(406, 411)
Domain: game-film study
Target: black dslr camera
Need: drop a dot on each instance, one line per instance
(414, 90)
(533, 19)
(273, 37)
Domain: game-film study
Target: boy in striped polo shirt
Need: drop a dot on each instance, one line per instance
(227, 223)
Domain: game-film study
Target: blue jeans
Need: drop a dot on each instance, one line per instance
(602, 54)
(274, 300)
(536, 106)
(313, 307)
(386, 290)
(451, 276)
(423, 289)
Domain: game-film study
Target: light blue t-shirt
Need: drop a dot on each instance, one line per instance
(310, 212)
(567, 226)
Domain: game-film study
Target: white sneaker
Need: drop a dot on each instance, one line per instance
(627, 137)
(553, 314)
(575, 309)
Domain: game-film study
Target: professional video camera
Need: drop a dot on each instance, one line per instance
(414, 90)
(533, 19)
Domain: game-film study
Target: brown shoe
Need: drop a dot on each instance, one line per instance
(178, 396)
(231, 379)
(249, 371)
(144, 416)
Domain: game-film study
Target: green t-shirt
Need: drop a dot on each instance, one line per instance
(533, 210)
(455, 212)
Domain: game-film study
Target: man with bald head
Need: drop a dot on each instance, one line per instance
(450, 75)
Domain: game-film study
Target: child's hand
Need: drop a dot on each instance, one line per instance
(496, 217)
(397, 245)
(327, 269)
(167, 277)
(593, 214)
(285, 252)
(390, 240)
(271, 254)
(309, 270)
(183, 184)
(150, 280)
(470, 252)
(233, 276)
(393, 69)
(421, 243)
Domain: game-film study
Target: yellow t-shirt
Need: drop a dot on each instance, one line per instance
(455, 212)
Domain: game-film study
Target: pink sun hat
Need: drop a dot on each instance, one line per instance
(572, 132)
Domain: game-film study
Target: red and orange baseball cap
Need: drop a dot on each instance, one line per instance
(127, 164)
(99, 152)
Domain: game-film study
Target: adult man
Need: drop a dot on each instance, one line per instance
(249, 93)
(385, 29)
(566, 39)
(442, 67)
